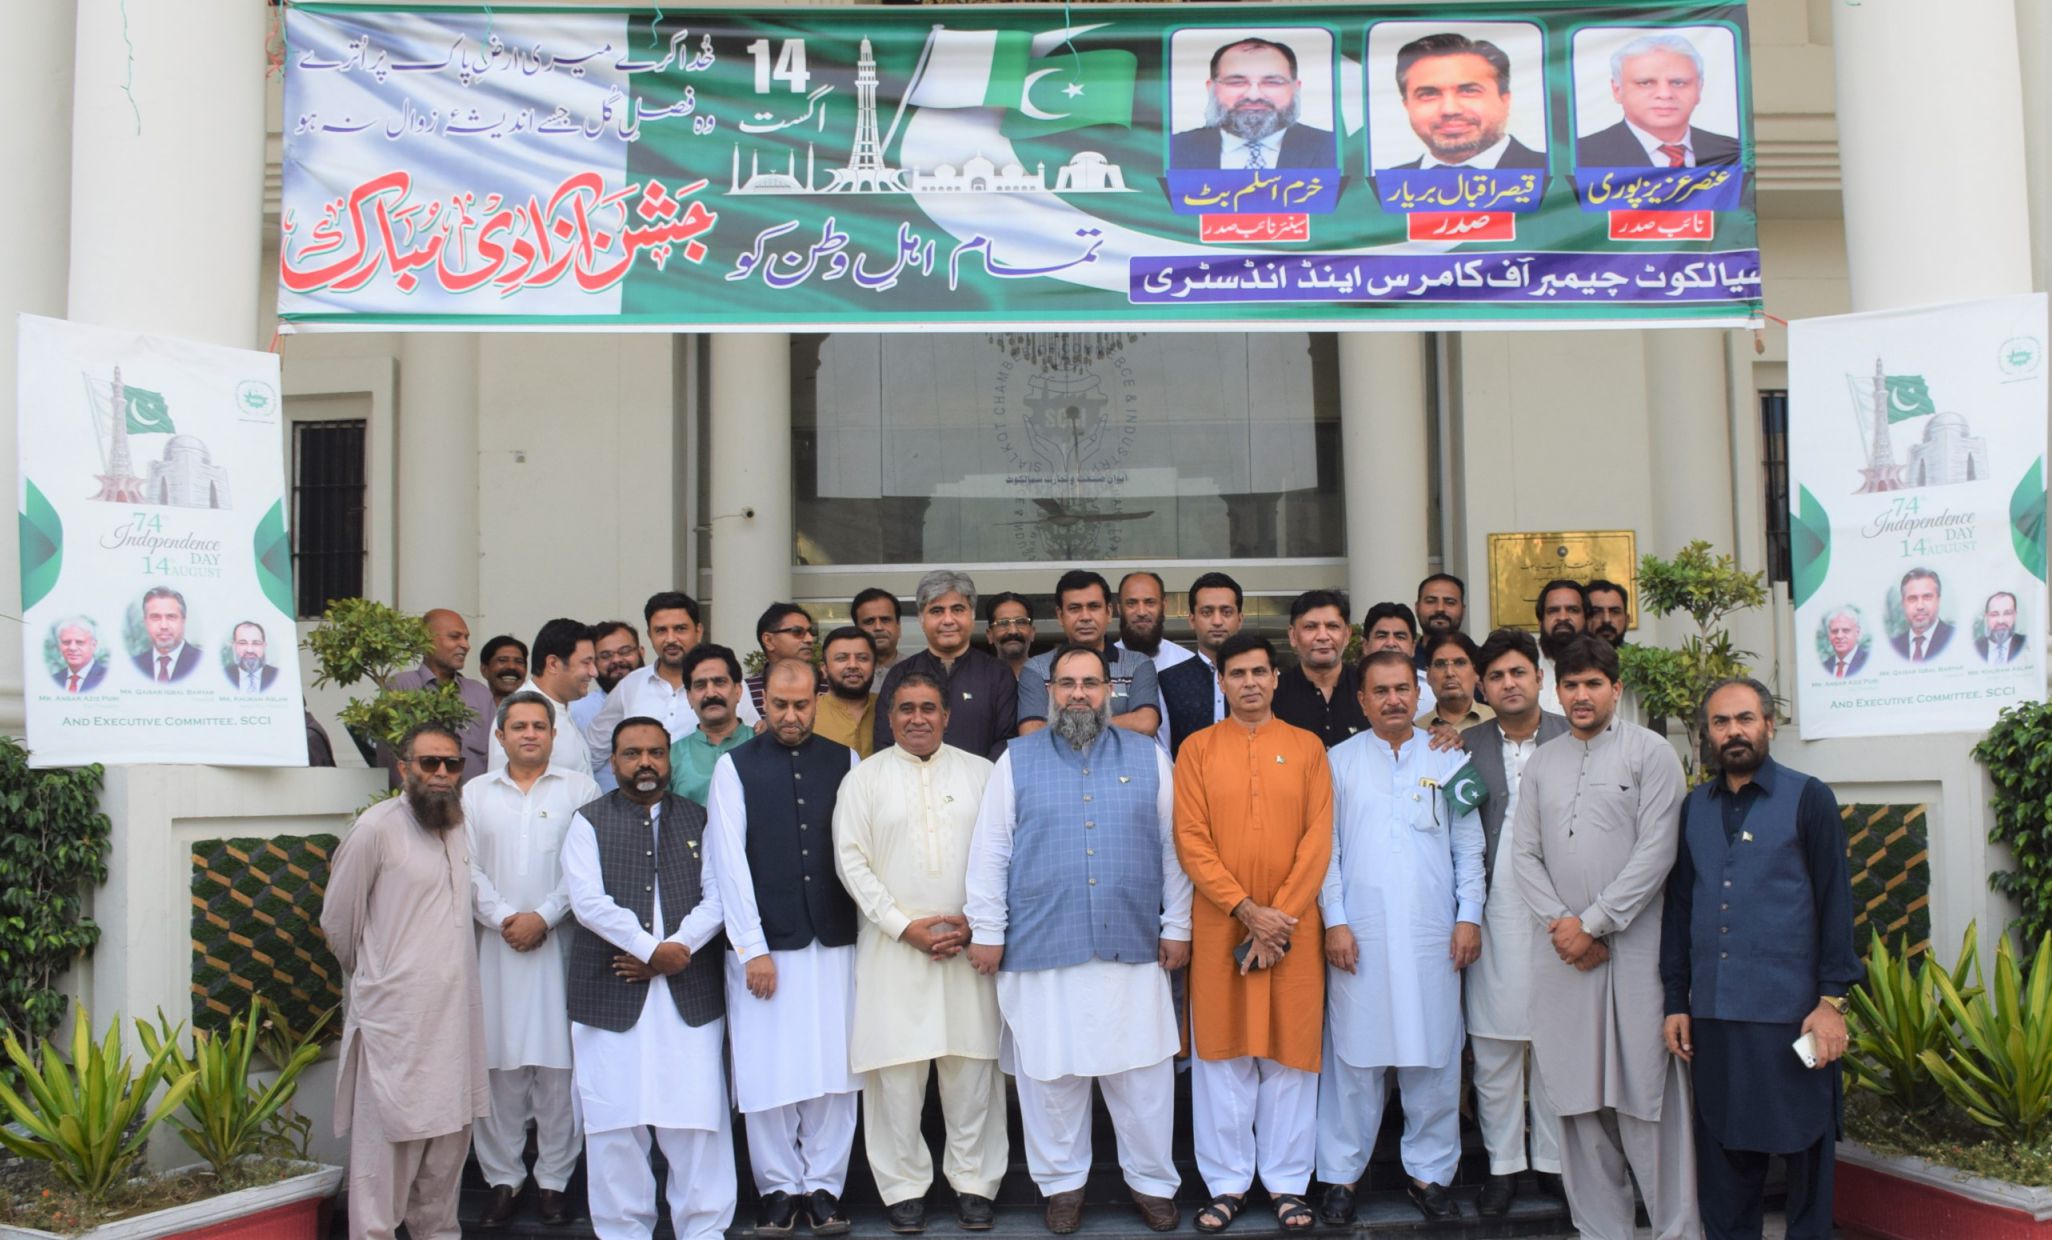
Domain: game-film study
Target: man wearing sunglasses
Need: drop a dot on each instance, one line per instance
(397, 915)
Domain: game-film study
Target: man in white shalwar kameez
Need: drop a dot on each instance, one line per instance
(790, 977)
(1403, 908)
(647, 1031)
(516, 817)
(902, 826)
(1078, 904)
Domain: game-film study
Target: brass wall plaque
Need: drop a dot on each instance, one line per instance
(1520, 563)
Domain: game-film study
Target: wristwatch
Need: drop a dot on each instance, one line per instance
(1836, 1003)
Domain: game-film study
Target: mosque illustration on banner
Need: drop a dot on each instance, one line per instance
(186, 475)
(866, 172)
(1948, 452)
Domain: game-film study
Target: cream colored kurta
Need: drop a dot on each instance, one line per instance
(902, 829)
(397, 917)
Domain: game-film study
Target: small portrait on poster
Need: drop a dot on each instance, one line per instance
(1998, 636)
(157, 634)
(72, 651)
(1656, 97)
(1843, 642)
(1917, 626)
(245, 656)
(1251, 97)
(1461, 95)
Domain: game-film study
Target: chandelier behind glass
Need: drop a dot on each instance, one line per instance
(1062, 352)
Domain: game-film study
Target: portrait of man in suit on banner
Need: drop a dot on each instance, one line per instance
(1654, 99)
(1469, 96)
(168, 658)
(1266, 99)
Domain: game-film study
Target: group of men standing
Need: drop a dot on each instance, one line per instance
(1018, 867)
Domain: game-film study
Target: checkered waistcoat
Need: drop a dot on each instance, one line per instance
(631, 870)
(1085, 879)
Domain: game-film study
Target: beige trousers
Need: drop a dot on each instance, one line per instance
(972, 1095)
(1597, 1148)
(394, 1182)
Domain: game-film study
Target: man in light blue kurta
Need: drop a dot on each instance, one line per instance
(1403, 911)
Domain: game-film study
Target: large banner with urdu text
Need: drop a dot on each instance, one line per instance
(156, 574)
(1916, 456)
(1409, 165)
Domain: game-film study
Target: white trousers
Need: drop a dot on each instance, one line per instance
(1056, 1117)
(1253, 1116)
(1350, 1103)
(1597, 1147)
(972, 1093)
(803, 1147)
(621, 1184)
(1501, 1070)
(548, 1096)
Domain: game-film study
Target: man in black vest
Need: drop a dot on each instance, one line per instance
(648, 1055)
(1756, 952)
(1190, 694)
(790, 977)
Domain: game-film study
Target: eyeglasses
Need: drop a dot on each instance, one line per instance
(1069, 685)
(1447, 665)
(1020, 623)
(801, 630)
(433, 763)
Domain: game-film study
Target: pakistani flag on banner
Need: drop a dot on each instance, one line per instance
(997, 69)
(147, 413)
(1909, 397)
(1466, 791)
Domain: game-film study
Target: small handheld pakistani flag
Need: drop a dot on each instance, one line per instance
(1465, 792)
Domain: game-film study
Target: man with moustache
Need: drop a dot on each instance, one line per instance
(847, 711)
(515, 818)
(1499, 988)
(785, 631)
(983, 694)
(1657, 79)
(503, 665)
(1191, 696)
(1009, 619)
(660, 689)
(1842, 634)
(1926, 636)
(615, 651)
(903, 822)
(1402, 904)
(1321, 694)
(1083, 607)
(1563, 614)
(1456, 92)
(1597, 825)
(561, 670)
(1606, 610)
(1756, 951)
(397, 916)
(712, 678)
(448, 649)
(1450, 674)
(1442, 606)
(78, 646)
(2000, 642)
(1251, 109)
(646, 1000)
(875, 612)
(791, 973)
(1079, 907)
(1391, 626)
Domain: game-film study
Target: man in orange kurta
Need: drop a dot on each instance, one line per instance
(1254, 831)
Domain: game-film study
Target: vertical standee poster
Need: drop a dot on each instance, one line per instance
(1916, 447)
(156, 575)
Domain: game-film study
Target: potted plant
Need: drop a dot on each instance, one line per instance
(360, 639)
(1951, 1100)
(84, 1122)
(1671, 681)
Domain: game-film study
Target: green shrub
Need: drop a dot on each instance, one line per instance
(2018, 754)
(1999, 1065)
(54, 850)
(226, 1116)
(1897, 1018)
(84, 1117)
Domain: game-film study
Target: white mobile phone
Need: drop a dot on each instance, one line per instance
(1806, 1049)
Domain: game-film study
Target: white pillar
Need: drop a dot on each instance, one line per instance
(167, 167)
(751, 481)
(437, 472)
(35, 227)
(1384, 411)
(1906, 247)
(1688, 428)
(2034, 45)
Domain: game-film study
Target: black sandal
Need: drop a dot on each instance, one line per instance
(1293, 1213)
(1219, 1213)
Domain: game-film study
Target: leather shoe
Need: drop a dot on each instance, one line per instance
(828, 1218)
(1065, 1212)
(908, 1217)
(779, 1214)
(499, 1208)
(1337, 1210)
(1497, 1194)
(1550, 1184)
(1433, 1201)
(553, 1205)
(1159, 1213)
(974, 1213)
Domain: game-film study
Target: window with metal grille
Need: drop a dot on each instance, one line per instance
(329, 487)
(1774, 464)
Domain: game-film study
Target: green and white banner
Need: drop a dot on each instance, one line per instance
(156, 575)
(1916, 450)
(1407, 165)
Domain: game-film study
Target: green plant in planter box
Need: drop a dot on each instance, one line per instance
(357, 640)
(85, 1118)
(1999, 1068)
(1897, 1017)
(226, 1116)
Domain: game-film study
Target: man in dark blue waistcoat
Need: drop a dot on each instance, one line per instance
(1757, 952)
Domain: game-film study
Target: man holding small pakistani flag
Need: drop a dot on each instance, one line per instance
(1402, 905)
(1042, 91)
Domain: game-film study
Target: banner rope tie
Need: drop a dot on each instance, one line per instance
(128, 86)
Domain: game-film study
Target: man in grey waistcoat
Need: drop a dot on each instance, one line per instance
(647, 1000)
(1078, 904)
